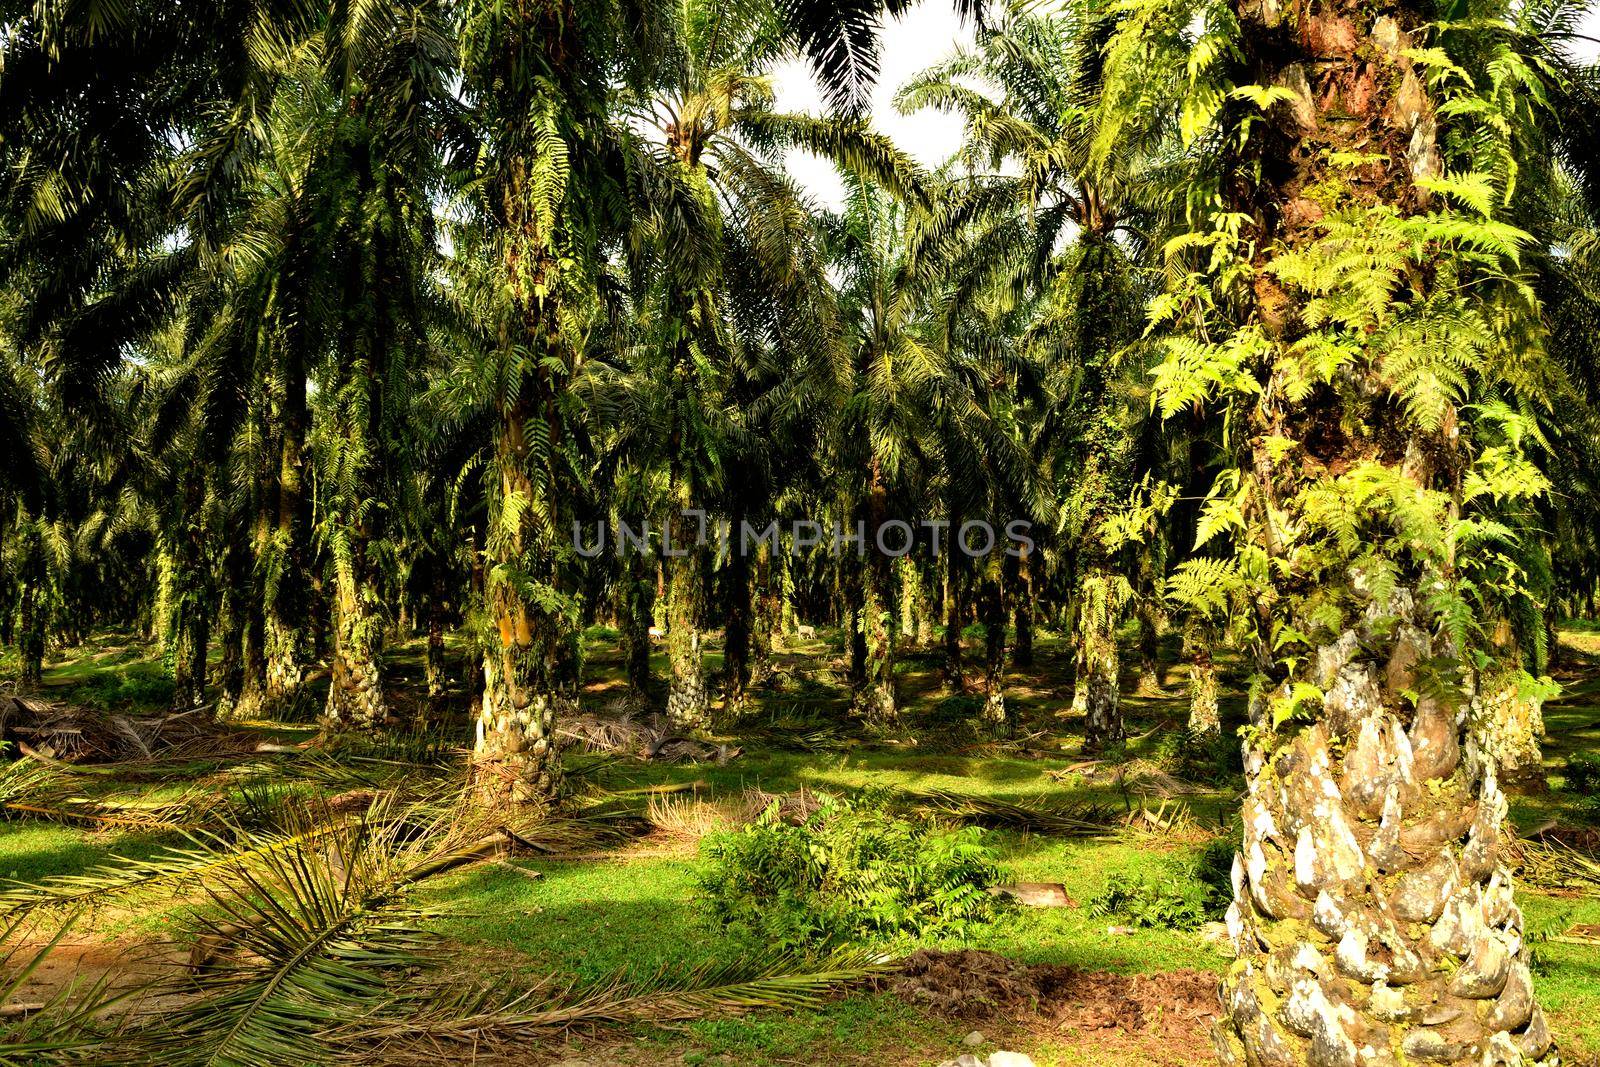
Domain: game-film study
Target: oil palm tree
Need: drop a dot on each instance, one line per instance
(1372, 557)
(1035, 217)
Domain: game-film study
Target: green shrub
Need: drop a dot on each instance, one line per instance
(130, 685)
(851, 871)
(1212, 758)
(956, 710)
(1180, 897)
(1583, 773)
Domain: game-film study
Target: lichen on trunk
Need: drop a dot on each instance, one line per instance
(355, 685)
(998, 718)
(1350, 319)
(1096, 695)
(688, 696)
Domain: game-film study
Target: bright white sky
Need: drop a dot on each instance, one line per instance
(926, 34)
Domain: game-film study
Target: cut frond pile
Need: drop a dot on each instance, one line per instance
(1068, 820)
(486, 1017)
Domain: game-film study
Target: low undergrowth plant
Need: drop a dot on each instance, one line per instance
(1582, 773)
(1182, 895)
(850, 871)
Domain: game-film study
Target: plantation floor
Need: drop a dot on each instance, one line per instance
(1116, 995)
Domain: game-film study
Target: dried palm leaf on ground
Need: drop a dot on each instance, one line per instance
(1068, 820)
(34, 788)
(206, 855)
(486, 1017)
(73, 1024)
(74, 734)
(298, 943)
(1140, 776)
(1550, 864)
(692, 817)
(646, 738)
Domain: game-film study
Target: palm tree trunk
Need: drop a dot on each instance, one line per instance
(1373, 918)
(31, 608)
(998, 718)
(530, 672)
(737, 631)
(1204, 719)
(634, 593)
(954, 617)
(688, 696)
(287, 635)
(1097, 696)
(875, 701)
(767, 633)
(435, 669)
(236, 604)
(1022, 600)
(1149, 617)
(355, 685)
(192, 610)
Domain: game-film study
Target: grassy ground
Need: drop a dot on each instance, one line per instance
(636, 909)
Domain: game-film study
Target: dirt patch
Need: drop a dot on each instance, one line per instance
(74, 968)
(1165, 1017)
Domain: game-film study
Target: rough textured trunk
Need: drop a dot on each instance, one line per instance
(531, 664)
(1373, 905)
(1150, 683)
(190, 604)
(875, 701)
(766, 636)
(1508, 709)
(1022, 601)
(688, 697)
(736, 633)
(434, 667)
(230, 654)
(355, 685)
(527, 688)
(31, 604)
(236, 603)
(1096, 695)
(287, 633)
(913, 600)
(1510, 719)
(635, 592)
(852, 597)
(1204, 717)
(189, 656)
(1373, 917)
(954, 617)
(997, 717)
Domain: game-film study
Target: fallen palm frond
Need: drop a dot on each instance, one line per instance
(609, 823)
(41, 789)
(486, 1016)
(1549, 864)
(691, 816)
(803, 733)
(206, 855)
(298, 942)
(1167, 822)
(1067, 820)
(70, 1025)
(26, 780)
(71, 733)
(648, 738)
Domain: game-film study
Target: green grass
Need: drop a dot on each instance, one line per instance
(639, 914)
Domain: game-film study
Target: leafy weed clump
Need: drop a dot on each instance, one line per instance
(850, 871)
(1182, 896)
(1583, 773)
